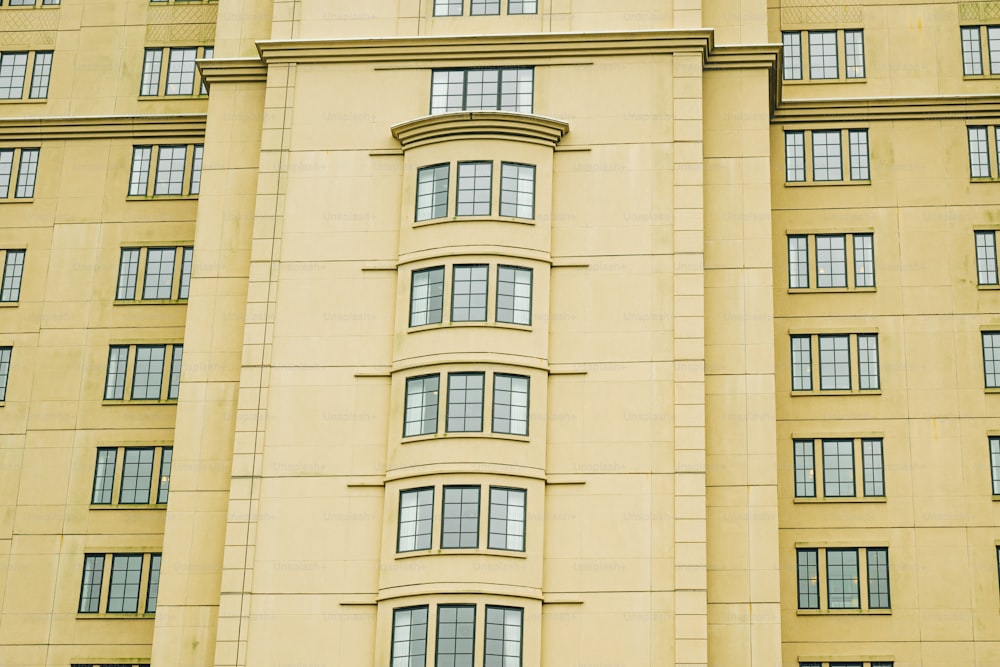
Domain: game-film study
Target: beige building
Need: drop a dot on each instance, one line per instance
(555, 333)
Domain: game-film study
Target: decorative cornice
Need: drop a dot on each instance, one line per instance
(103, 127)
(942, 107)
(232, 70)
(461, 125)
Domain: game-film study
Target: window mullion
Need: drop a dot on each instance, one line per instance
(116, 481)
(154, 167)
(154, 479)
(854, 361)
(863, 600)
(129, 370)
(164, 73)
(850, 258)
(188, 168)
(105, 584)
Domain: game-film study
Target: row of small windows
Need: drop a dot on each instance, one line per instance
(830, 252)
(826, 156)
(483, 89)
(14, 72)
(840, 458)
(863, 663)
(460, 519)
(456, 636)
(138, 371)
(159, 272)
(176, 170)
(30, 3)
(466, 407)
(470, 294)
(835, 352)
(19, 183)
(129, 472)
(180, 76)
(119, 588)
(484, 7)
(474, 190)
(847, 585)
(822, 49)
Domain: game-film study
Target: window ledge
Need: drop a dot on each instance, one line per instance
(980, 77)
(160, 197)
(104, 616)
(127, 506)
(806, 82)
(843, 612)
(9, 304)
(993, 390)
(150, 302)
(17, 200)
(138, 401)
(829, 290)
(987, 179)
(25, 100)
(473, 218)
(989, 288)
(800, 184)
(160, 98)
(503, 553)
(478, 435)
(839, 392)
(826, 500)
(462, 325)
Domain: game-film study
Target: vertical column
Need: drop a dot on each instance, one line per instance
(237, 576)
(690, 620)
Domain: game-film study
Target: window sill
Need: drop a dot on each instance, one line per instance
(801, 184)
(827, 500)
(843, 612)
(838, 392)
(980, 77)
(829, 290)
(18, 200)
(127, 506)
(25, 100)
(993, 390)
(9, 304)
(473, 218)
(160, 98)
(503, 553)
(161, 197)
(987, 179)
(989, 288)
(478, 435)
(138, 401)
(806, 82)
(459, 325)
(151, 302)
(113, 616)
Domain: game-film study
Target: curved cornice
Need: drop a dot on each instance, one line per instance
(461, 125)
(103, 127)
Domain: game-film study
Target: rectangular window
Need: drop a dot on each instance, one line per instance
(831, 261)
(432, 192)
(972, 53)
(507, 510)
(174, 168)
(421, 410)
(153, 586)
(823, 55)
(409, 637)
(805, 468)
(827, 162)
(834, 362)
(798, 262)
(147, 377)
(993, 38)
(868, 373)
(4, 371)
(187, 259)
(835, 368)
(147, 373)
(427, 296)
(475, 188)
(878, 578)
(995, 463)
(825, 148)
(807, 562)
(456, 635)
(174, 388)
(13, 268)
(864, 260)
(416, 519)
(842, 579)
(791, 55)
(979, 153)
(159, 276)
(23, 180)
(114, 384)
(857, 142)
(13, 69)
(469, 288)
(181, 77)
(460, 518)
(522, 7)
(504, 631)
(510, 404)
(166, 461)
(514, 295)
(137, 476)
(123, 591)
(484, 7)
(838, 468)
(448, 7)
(801, 363)
(90, 588)
(517, 190)
(104, 476)
(159, 273)
(482, 89)
(854, 54)
(40, 75)
(873, 467)
(986, 257)
(795, 157)
(465, 402)
(991, 358)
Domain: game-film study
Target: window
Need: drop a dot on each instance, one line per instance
(837, 372)
(421, 405)
(995, 463)
(823, 55)
(15, 72)
(176, 171)
(991, 358)
(181, 76)
(32, 3)
(131, 575)
(432, 192)
(409, 637)
(504, 630)
(825, 149)
(522, 6)
(128, 473)
(416, 519)
(13, 268)
(482, 89)
(517, 190)
(145, 365)
(973, 39)
(454, 640)
(465, 402)
(456, 633)
(470, 284)
(510, 404)
(877, 663)
(469, 294)
(833, 254)
(986, 257)
(840, 458)
(484, 7)
(448, 7)
(162, 277)
(506, 519)
(846, 588)
(475, 188)
(460, 518)
(979, 153)
(21, 186)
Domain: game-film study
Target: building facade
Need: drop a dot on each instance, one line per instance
(500, 333)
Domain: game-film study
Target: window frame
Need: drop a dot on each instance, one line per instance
(515, 298)
(18, 185)
(475, 191)
(424, 406)
(34, 73)
(521, 211)
(417, 521)
(470, 641)
(865, 593)
(993, 442)
(511, 406)
(108, 484)
(468, 298)
(987, 270)
(805, 163)
(430, 298)
(507, 520)
(454, 404)
(857, 360)
(149, 180)
(461, 532)
(991, 359)
(126, 385)
(13, 275)
(157, 70)
(804, 265)
(486, 635)
(867, 467)
(800, 61)
(516, 71)
(435, 175)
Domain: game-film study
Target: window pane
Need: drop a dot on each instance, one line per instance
(469, 289)
(427, 296)
(831, 261)
(151, 72)
(827, 163)
(173, 391)
(986, 257)
(12, 71)
(40, 74)
(421, 405)
(522, 7)
(409, 637)
(180, 72)
(90, 587)
(4, 371)
(795, 156)
(475, 188)
(805, 469)
(503, 637)
(6, 168)
(993, 37)
(801, 363)
(432, 192)
(507, 508)
(465, 402)
(823, 55)
(517, 89)
(871, 453)
(104, 476)
(416, 519)
(137, 476)
(878, 578)
(482, 87)
(843, 591)
(138, 185)
(972, 54)
(517, 190)
(514, 295)
(834, 362)
(991, 358)
(166, 462)
(858, 145)
(791, 55)
(868, 374)
(170, 170)
(808, 577)
(154, 583)
(979, 157)
(448, 7)
(510, 404)
(484, 7)
(147, 377)
(184, 288)
(123, 593)
(448, 89)
(196, 160)
(854, 54)
(838, 468)
(460, 518)
(26, 174)
(995, 463)
(128, 272)
(456, 635)
(798, 262)
(864, 260)
(159, 277)
(114, 385)
(13, 268)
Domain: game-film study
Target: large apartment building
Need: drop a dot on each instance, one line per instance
(499, 333)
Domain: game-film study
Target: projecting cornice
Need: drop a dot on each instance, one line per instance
(103, 127)
(954, 107)
(480, 125)
(232, 70)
